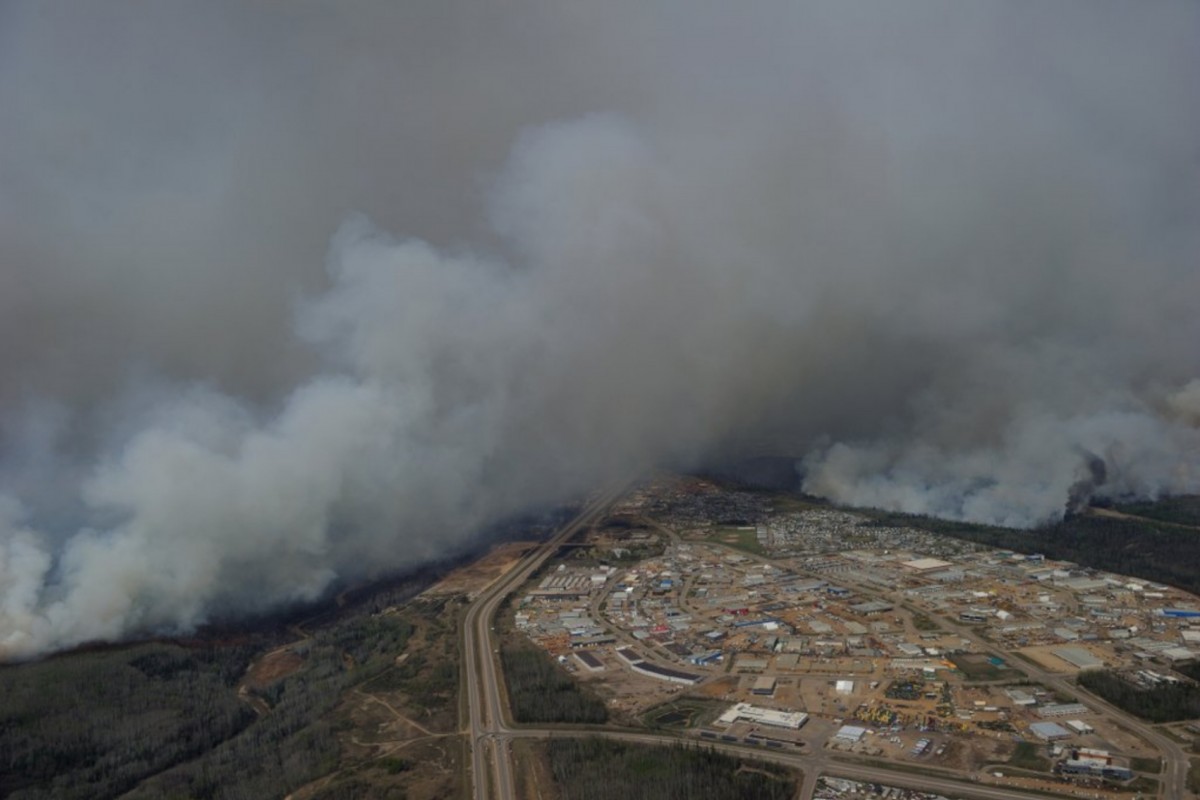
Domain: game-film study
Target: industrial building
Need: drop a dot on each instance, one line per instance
(1049, 731)
(1079, 657)
(1093, 763)
(665, 673)
(1063, 710)
(927, 564)
(744, 712)
(850, 733)
(589, 660)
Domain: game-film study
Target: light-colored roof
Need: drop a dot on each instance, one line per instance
(1078, 657)
(1049, 730)
(852, 732)
(924, 564)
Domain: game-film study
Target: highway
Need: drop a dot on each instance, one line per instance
(488, 729)
(491, 736)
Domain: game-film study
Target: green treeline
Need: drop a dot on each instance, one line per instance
(602, 769)
(540, 691)
(1165, 703)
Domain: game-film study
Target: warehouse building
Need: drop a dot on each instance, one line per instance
(1049, 731)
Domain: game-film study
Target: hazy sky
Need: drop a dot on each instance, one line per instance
(293, 293)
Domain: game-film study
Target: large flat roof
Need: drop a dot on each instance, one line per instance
(1078, 657)
(765, 716)
(925, 564)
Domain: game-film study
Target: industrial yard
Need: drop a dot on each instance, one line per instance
(818, 629)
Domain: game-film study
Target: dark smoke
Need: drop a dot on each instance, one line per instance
(943, 249)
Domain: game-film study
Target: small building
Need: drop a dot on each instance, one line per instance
(1080, 727)
(589, 660)
(1049, 731)
(629, 655)
(1063, 710)
(1174, 654)
(871, 608)
(1021, 698)
(850, 733)
(1180, 613)
(764, 686)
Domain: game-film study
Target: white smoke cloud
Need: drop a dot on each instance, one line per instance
(946, 253)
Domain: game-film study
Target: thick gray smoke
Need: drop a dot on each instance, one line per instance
(945, 251)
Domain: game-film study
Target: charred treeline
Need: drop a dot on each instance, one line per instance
(600, 769)
(540, 691)
(1164, 703)
(161, 720)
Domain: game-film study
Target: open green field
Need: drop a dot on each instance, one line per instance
(979, 667)
(739, 538)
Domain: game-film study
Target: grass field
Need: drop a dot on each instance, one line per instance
(1026, 757)
(976, 667)
(739, 538)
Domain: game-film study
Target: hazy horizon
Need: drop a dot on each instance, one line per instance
(293, 294)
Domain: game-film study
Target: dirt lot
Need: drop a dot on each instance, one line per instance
(1043, 655)
(475, 577)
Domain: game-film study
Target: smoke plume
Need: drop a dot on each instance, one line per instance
(293, 295)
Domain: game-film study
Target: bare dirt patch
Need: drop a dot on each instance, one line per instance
(473, 578)
(272, 667)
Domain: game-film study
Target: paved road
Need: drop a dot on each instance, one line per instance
(483, 676)
(812, 764)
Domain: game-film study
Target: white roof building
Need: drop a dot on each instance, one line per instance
(763, 716)
(850, 733)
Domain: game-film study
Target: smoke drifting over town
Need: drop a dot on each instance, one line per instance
(299, 294)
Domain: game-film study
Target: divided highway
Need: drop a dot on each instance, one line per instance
(488, 730)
